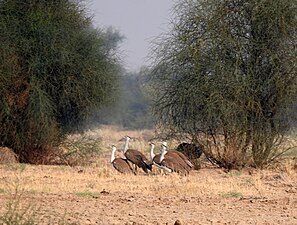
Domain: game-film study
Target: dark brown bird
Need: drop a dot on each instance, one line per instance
(192, 151)
(155, 159)
(173, 162)
(176, 153)
(136, 157)
(120, 164)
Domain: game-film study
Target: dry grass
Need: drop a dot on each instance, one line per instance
(88, 184)
(60, 179)
(7, 156)
(99, 176)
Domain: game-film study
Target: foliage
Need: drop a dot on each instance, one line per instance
(20, 211)
(13, 217)
(78, 150)
(225, 75)
(232, 194)
(55, 69)
(16, 213)
(88, 194)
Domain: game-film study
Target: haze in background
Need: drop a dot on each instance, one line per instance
(140, 21)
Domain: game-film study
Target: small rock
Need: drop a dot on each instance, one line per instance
(177, 222)
(104, 192)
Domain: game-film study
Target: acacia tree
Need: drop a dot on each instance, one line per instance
(55, 68)
(225, 74)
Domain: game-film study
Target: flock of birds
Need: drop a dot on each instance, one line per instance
(168, 160)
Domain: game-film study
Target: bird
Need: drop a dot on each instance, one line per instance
(179, 154)
(173, 161)
(192, 151)
(136, 157)
(120, 164)
(156, 159)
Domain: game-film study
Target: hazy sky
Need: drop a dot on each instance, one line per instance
(138, 20)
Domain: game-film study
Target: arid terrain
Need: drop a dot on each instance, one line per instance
(97, 194)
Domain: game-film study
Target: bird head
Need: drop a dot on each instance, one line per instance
(164, 144)
(113, 147)
(126, 138)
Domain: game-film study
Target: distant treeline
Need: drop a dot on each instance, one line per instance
(131, 107)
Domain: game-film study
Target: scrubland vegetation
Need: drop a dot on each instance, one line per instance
(224, 78)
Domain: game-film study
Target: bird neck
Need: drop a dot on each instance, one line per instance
(126, 145)
(152, 152)
(113, 154)
(163, 152)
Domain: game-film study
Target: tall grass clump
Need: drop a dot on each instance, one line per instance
(78, 150)
(17, 210)
(55, 68)
(20, 210)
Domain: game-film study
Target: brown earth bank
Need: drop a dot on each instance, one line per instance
(99, 195)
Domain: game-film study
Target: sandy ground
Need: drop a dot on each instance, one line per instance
(99, 195)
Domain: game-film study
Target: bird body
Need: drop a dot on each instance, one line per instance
(157, 159)
(173, 161)
(136, 157)
(139, 159)
(175, 153)
(120, 164)
(191, 150)
(182, 156)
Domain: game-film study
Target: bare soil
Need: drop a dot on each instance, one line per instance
(99, 195)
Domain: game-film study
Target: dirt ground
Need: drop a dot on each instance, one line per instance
(99, 195)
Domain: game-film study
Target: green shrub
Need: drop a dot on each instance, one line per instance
(55, 69)
(225, 75)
